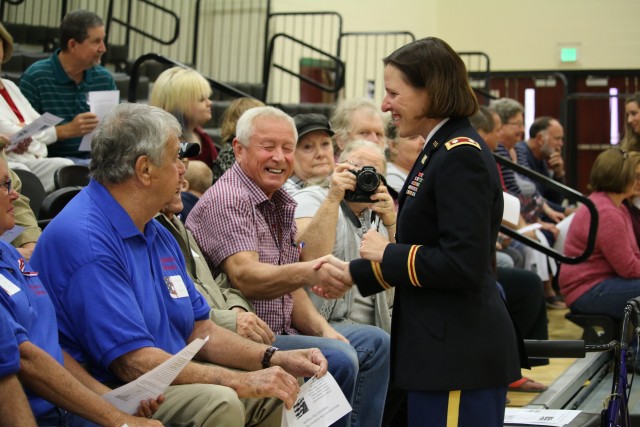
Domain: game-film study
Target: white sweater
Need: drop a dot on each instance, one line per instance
(9, 124)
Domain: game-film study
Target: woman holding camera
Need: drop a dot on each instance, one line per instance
(455, 348)
(333, 216)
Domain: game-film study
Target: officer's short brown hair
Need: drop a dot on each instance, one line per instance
(432, 64)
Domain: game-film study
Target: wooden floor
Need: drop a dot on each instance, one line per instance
(559, 328)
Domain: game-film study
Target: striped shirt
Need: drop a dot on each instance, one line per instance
(49, 89)
(236, 216)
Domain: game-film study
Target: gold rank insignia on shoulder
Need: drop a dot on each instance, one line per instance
(457, 142)
(424, 159)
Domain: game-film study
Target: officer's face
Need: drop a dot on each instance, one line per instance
(407, 104)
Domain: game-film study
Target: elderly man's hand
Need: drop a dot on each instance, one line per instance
(250, 326)
(83, 123)
(301, 363)
(149, 407)
(270, 382)
(342, 180)
(334, 278)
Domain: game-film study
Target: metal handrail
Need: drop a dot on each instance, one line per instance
(134, 76)
(339, 67)
(567, 191)
(130, 27)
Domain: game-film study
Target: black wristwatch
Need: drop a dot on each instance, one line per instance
(268, 353)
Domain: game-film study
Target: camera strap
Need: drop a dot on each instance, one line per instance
(352, 217)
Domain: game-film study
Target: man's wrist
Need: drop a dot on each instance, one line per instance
(268, 354)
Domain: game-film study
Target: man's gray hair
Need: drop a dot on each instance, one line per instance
(363, 143)
(244, 127)
(341, 117)
(128, 132)
(506, 108)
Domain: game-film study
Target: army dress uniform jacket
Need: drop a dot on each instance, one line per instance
(451, 329)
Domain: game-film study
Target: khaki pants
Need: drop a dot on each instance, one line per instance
(205, 405)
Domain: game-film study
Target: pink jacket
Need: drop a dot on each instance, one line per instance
(616, 251)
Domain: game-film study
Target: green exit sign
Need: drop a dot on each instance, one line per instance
(568, 54)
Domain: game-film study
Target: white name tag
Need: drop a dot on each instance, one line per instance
(176, 286)
(9, 287)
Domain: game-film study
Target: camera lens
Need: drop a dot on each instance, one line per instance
(368, 181)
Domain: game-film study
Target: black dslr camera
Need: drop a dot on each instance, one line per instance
(367, 181)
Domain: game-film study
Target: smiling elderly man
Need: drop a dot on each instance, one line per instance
(124, 300)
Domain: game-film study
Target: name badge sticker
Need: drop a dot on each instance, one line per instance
(176, 286)
(9, 287)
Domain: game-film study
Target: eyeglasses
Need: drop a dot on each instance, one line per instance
(185, 162)
(7, 185)
(516, 124)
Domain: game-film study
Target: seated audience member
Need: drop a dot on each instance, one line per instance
(631, 142)
(124, 300)
(185, 93)
(226, 157)
(25, 243)
(245, 227)
(403, 153)
(313, 157)
(196, 181)
(59, 85)
(533, 205)
(488, 125)
(15, 113)
(229, 308)
(611, 275)
(542, 153)
(330, 223)
(55, 383)
(15, 409)
(358, 119)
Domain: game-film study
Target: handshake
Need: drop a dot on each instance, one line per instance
(332, 277)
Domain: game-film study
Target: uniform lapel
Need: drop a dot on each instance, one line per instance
(436, 141)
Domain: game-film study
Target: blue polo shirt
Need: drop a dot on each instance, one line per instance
(49, 89)
(31, 314)
(9, 355)
(114, 288)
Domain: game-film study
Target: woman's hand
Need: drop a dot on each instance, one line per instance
(373, 246)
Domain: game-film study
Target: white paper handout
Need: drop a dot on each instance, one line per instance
(539, 417)
(320, 403)
(530, 227)
(101, 102)
(150, 385)
(43, 122)
(511, 212)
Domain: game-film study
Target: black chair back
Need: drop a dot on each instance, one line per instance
(32, 188)
(56, 201)
(71, 176)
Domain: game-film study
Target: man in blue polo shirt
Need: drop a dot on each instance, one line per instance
(60, 84)
(124, 300)
(15, 407)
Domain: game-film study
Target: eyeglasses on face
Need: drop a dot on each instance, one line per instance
(516, 124)
(7, 185)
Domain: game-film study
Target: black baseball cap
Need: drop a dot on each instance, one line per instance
(188, 149)
(306, 123)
